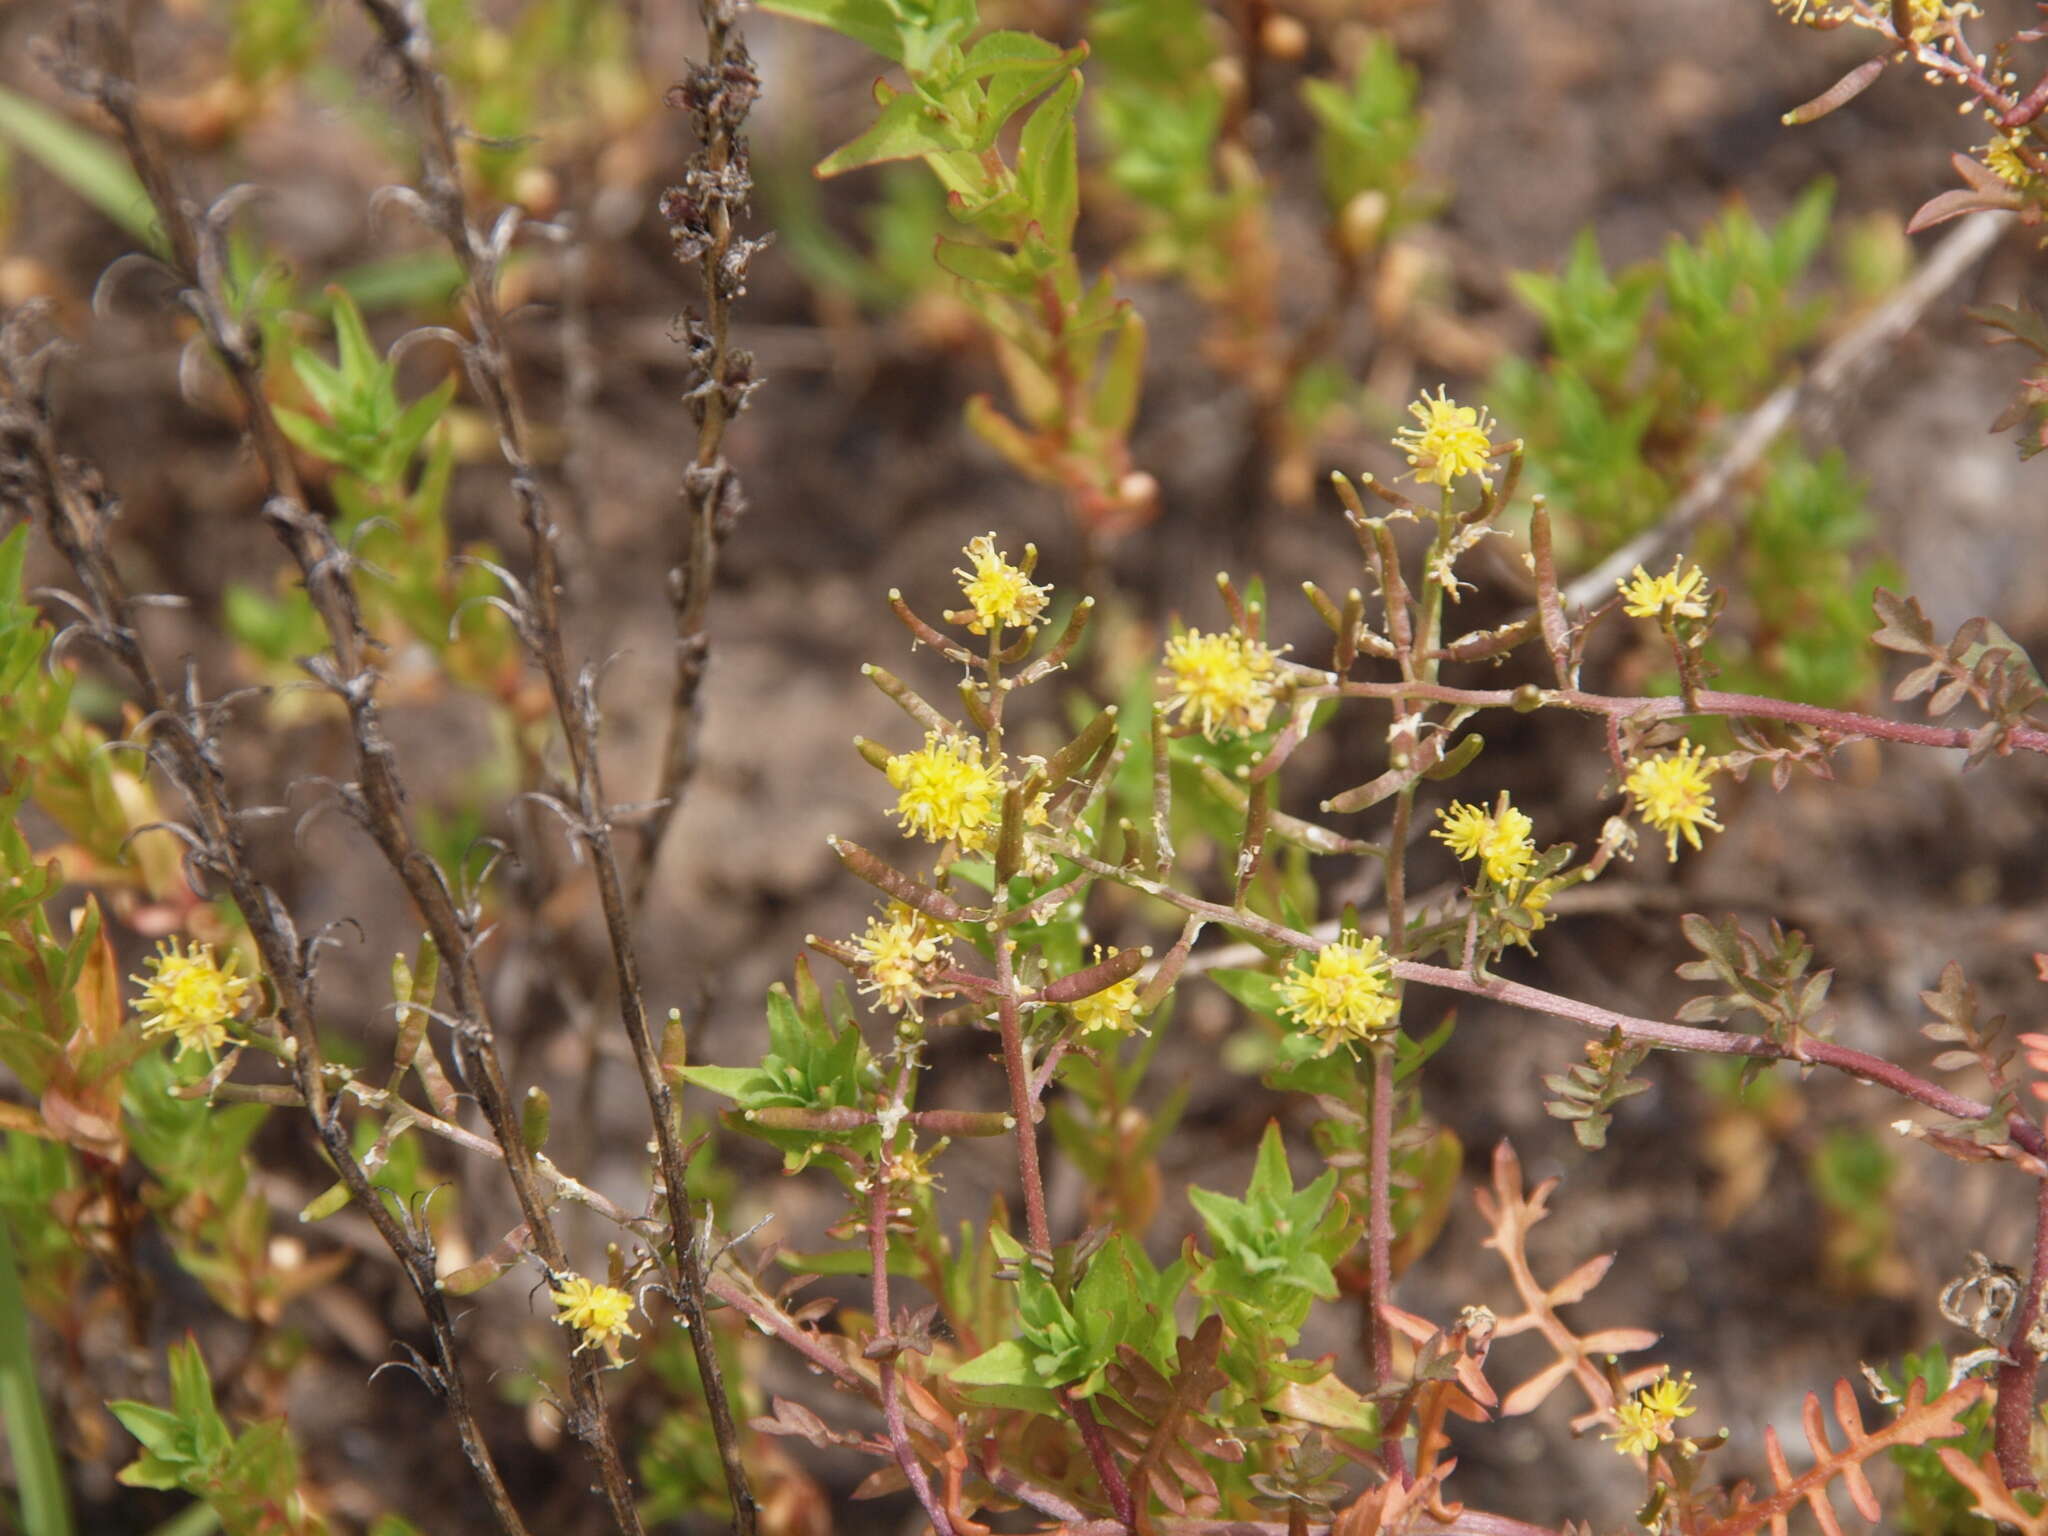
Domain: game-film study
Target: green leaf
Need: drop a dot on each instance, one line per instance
(1048, 166)
(1006, 51)
(1328, 1402)
(1122, 380)
(908, 127)
(983, 264)
(417, 280)
(316, 437)
(83, 161)
(1009, 88)
(38, 1469)
(873, 24)
(356, 354)
(1002, 1365)
(156, 1428)
(1258, 992)
(1274, 1247)
(414, 423)
(730, 1081)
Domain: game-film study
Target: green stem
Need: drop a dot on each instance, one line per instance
(45, 1503)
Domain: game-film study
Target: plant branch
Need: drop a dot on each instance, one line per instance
(892, 1399)
(1849, 358)
(1844, 724)
(376, 800)
(1379, 1240)
(2013, 1418)
(1652, 1032)
(75, 515)
(717, 94)
(576, 709)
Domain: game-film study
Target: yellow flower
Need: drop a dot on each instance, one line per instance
(1223, 682)
(598, 1312)
(911, 1169)
(1646, 1417)
(191, 996)
(1347, 994)
(1534, 905)
(1923, 16)
(1449, 440)
(1682, 594)
(1674, 794)
(2006, 162)
(1114, 1007)
(1003, 596)
(896, 953)
(946, 793)
(1926, 15)
(1500, 839)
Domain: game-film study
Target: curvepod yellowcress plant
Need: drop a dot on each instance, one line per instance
(1122, 1121)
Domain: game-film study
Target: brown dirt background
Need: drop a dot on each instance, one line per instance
(1638, 117)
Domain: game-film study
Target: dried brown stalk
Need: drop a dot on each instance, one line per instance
(74, 512)
(538, 607)
(717, 95)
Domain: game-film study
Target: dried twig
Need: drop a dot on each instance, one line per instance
(717, 94)
(1850, 359)
(538, 607)
(74, 511)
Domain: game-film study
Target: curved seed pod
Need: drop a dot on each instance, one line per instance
(1010, 841)
(1077, 626)
(908, 699)
(1062, 764)
(952, 650)
(1099, 977)
(1843, 91)
(892, 882)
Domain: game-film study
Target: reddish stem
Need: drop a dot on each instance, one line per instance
(2029, 107)
(1838, 722)
(1104, 1459)
(1379, 1242)
(1023, 1104)
(2013, 1419)
(1682, 1037)
(892, 1402)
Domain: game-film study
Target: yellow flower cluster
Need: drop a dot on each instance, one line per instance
(1448, 440)
(1113, 1008)
(2005, 161)
(598, 1312)
(191, 996)
(1681, 594)
(1000, 595)
(1644, 1419)
(1673, 792)
(1499, 839)
(1346, 994)
(1223, 683)
(945, 792)
(1924, 17)
(897, 954)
